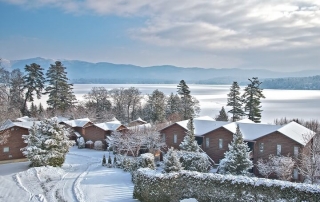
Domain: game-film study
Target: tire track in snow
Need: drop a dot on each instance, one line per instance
(17, 179)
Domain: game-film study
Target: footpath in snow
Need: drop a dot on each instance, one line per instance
(81, 178)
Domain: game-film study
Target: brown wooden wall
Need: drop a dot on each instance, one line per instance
(15, 143)
(169, 133)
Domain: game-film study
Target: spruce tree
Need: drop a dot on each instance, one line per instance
(16, 90)
(222, 115)
(48, 144)
(109, 160)
(189, 143)
(104, 161)
(33, 83)
(236, 160)
(235, 102)
(33, 110)
(173, 107)
(252, 95)
(189, 104)
(60, 92)
(171, 162)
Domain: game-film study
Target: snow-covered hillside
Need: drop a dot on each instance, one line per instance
(82, 178)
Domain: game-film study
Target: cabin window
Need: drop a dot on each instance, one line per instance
(207, 142)
(296, 151)
(261, 147)
(220, 143)
(175, 138)
(295, 174)
(163, 137)
(6, 149)
(279, 149)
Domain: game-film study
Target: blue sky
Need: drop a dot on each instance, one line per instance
(276, 34)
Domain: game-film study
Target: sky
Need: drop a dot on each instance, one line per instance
(249, 34)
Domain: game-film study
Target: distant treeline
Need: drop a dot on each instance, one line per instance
(122, 81)
(294, 83)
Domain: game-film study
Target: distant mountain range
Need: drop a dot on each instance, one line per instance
(104, 72)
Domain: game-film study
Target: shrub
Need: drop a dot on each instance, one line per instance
(104, 160)
(109, 160)
(98, 145)
(171, 162)
(81, 143)
(146, 161)
(194, 161)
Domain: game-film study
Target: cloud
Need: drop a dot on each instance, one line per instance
(230, 28)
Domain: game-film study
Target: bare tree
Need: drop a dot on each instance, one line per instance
(118, 103)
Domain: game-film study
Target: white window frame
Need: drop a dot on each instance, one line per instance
(207, 142)
(175, 137)
(295, 151)
(278, 149)
(6, 149)
(261, 147)
(220, 143)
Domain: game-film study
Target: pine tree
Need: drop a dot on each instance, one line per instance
(252, 95)
(33, 110)
(40, 110)
(222, 115)
(171, 162)
(16, 90)
(173, 107)
(156, 106)
(236, 160)
(33, 82)
(109, 160)
(60, 92)
(189, 104)
(104, 161)
(48, 144)
(235, 101)
(189, 143)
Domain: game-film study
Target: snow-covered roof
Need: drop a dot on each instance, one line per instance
(138, 120)
(140, 127)
(202, 125)
(112, 125)
(25, 119)
(60, 119)
(77, 122)
(77, 134)
(6, 124)
(297, 132)
(251, 131)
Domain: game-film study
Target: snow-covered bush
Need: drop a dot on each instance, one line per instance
(281, 166)
(194, 161)
(171, 162)
(129, 164)
(48, 143)
(90, 143)
(156, 187)
(98, 145)
(81, 143)
(146, 161)
(236, 160)
(104, 161)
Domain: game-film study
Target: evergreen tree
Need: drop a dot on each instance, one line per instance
(252, 95)
(236, 160)
(173, 107)
(189, 104)
(16, 90)
(109, 160)
(171, 162)
(104, 161)
(156, 106)
(48, 144)
(189, 142)
(235, 101)
(61, 96)
(40, 110)
(222, 115)
(33, 110)
(33, 82)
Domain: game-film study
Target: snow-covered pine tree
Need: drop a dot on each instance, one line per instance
(104, 161)
(189, 143)
(252, 95)
(235, 102)
(236, 160)
(222, 115)
(109, 160)
(171, 162)
(48, 143)
(61, 96)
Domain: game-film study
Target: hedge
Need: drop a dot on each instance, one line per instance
(150, 186)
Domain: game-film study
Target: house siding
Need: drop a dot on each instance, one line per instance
(213, 151)
(169, 135)
(270, 142)
(15, 143)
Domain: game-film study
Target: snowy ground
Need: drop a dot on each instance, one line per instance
(81, 178)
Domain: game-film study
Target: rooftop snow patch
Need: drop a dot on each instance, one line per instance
(77, 122)
(140, 127)
(297, 132)
(112, 125)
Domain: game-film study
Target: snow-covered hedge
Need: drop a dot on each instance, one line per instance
(130, 164)
(194, 161)
(156, 187)
(98, 145)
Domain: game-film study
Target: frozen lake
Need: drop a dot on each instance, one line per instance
(303, 104)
